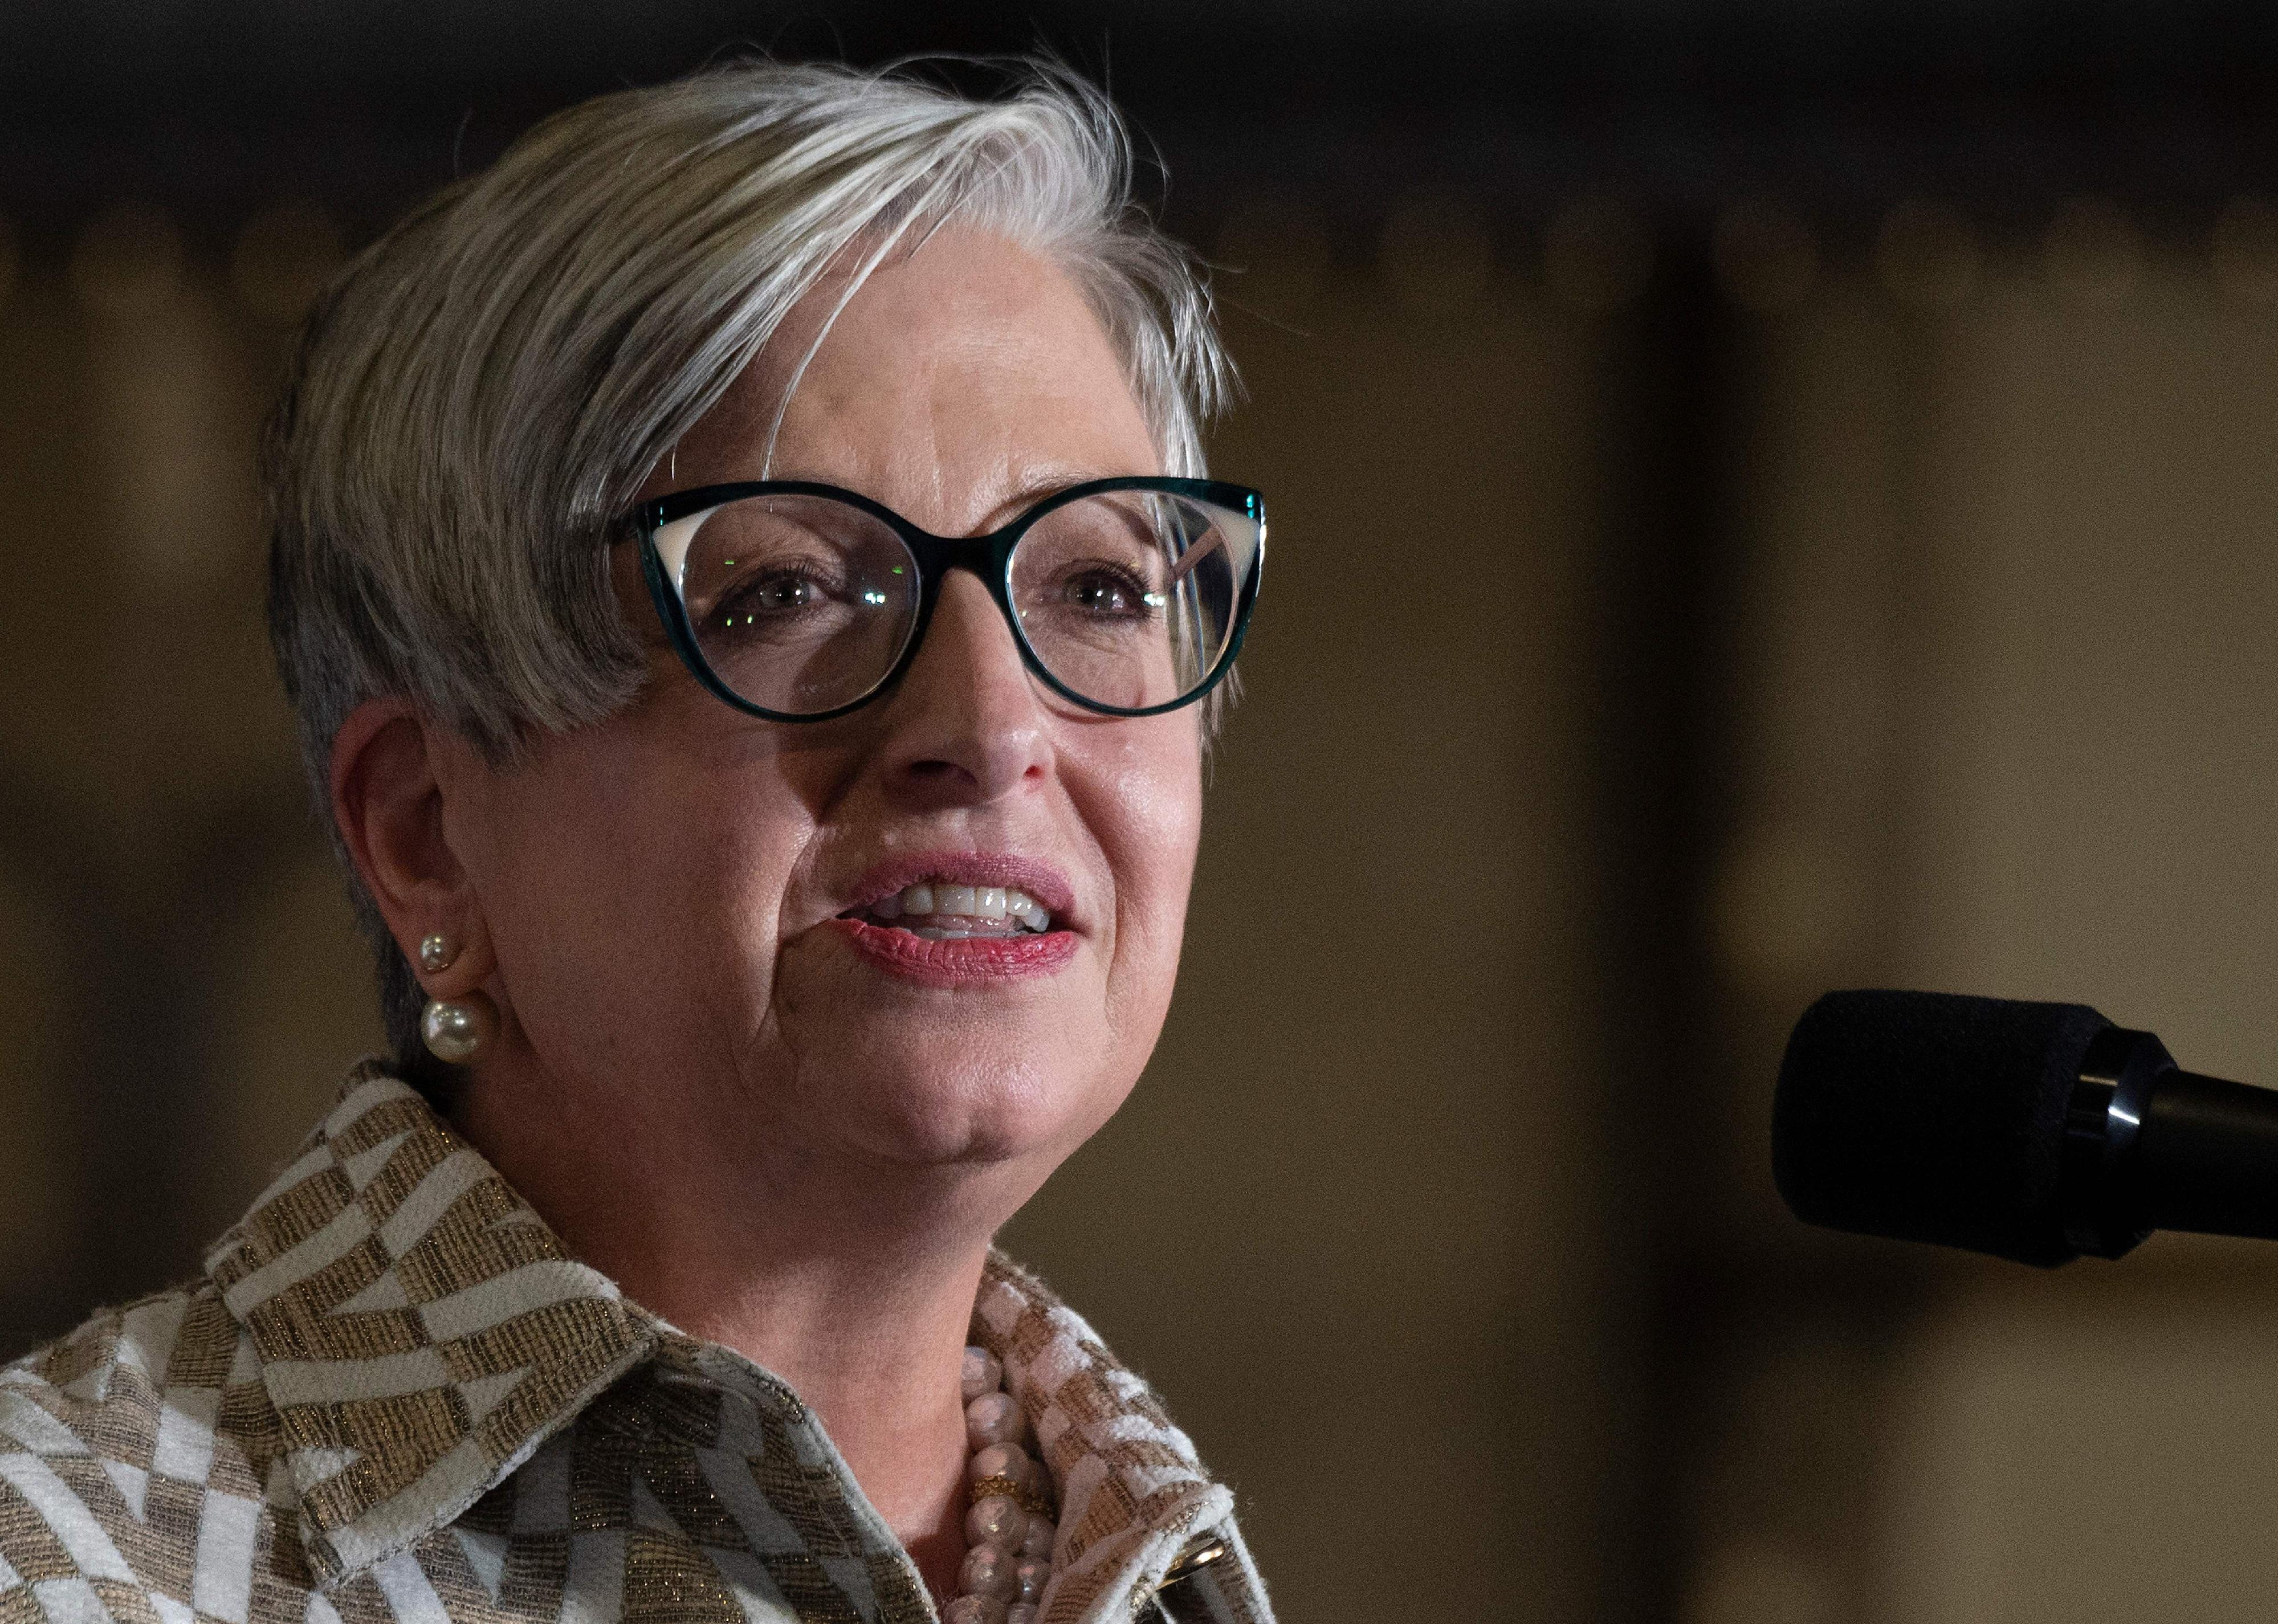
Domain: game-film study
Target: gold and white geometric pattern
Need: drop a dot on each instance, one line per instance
(395, 1400)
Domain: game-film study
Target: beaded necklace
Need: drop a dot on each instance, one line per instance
(1008, 1531)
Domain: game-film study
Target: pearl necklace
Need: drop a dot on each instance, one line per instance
(1008, 1532)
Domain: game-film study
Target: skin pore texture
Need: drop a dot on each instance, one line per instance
(773, 1140)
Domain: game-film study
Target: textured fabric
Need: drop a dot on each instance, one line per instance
(394, 1397)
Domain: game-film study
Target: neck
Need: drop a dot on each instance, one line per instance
(854, 1285)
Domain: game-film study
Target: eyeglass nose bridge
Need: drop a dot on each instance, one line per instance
(989, 557)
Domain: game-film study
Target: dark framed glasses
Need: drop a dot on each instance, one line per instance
(797, 601)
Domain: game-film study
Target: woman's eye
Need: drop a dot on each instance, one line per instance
(790, 594)
(1104, 592)
(1102, 596)
(771, 597)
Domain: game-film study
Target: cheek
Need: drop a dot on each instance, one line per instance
(626, 895)
(1149, 825)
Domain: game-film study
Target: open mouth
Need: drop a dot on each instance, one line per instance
(937, 911)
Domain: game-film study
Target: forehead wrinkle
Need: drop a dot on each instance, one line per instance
(990, 408)
(956, 392)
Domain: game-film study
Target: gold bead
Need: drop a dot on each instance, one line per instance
(436, 952)
(458, 1031)
(984, 1487)
(1011, 1489)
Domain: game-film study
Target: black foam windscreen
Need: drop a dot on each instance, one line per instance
(1931, 1116)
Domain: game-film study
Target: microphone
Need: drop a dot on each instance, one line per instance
(2036, 1132)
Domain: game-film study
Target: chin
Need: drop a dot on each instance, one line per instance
(932, 1110)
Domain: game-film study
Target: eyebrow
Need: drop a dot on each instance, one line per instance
(1044, 484)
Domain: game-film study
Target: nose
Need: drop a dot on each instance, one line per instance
(965, 725)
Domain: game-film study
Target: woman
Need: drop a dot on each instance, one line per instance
(742, 572)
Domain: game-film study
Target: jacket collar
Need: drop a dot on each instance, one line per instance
(420, 1333)
(1134, 1498)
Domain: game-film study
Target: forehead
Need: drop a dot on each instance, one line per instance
(957, 377)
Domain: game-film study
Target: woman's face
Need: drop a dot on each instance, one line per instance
(667, 892)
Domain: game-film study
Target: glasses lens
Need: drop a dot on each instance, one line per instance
(1131, 598)
(799, 604)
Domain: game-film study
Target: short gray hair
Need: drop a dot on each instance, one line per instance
(480, 395)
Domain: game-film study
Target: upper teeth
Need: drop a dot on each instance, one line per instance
(971, 901)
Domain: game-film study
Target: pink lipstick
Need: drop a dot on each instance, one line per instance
(953, 917)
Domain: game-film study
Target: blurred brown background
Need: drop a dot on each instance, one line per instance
(1768, 496)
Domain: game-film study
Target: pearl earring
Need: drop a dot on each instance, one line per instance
(458, 1031)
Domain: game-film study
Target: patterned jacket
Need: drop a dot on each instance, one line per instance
(395, 1397)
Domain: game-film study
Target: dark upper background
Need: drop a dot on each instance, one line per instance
(1768, 496)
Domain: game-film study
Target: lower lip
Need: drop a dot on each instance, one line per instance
(972, 961)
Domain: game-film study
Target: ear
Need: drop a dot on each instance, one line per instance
(387, 801)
